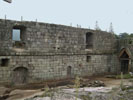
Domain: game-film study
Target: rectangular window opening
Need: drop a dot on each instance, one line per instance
(88, 58)
(4, 62)
(16, 36)
(89, 40)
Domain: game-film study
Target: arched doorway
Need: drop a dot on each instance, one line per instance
(124, 61)
(69, 71)
(20, 75)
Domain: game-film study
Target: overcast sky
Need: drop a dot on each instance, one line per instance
(82, 12)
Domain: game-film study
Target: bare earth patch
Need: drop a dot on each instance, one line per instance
(20, 93)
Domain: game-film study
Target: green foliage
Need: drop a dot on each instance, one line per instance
(48, 92)
(86, 97)
(117, 37)
(125, 76)
(131, 35)
(124, 35)
(77, 82)
(77, 86)
(121, 85)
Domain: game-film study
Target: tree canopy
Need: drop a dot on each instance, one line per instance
(125, 35)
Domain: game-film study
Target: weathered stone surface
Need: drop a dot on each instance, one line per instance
(50, 51)
(88, 94)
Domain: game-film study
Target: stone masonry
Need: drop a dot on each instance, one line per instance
(50, 51)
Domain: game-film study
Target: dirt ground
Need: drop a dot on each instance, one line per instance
(110, 82)
(21, 92)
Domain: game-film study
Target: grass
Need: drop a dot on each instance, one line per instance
(77, 86)
(125, 76)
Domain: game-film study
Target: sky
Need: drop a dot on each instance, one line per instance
(81, 12)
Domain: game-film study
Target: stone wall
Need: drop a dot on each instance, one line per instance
(52, 38)
(127, 43)
(55, 66)
(47, 50)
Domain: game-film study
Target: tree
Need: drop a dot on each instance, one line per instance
(111, 30)
(96, 26)
(131, 35)
(124, 35)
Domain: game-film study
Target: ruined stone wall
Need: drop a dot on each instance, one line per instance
(55, 66)
(51, 38)
(104, 43)
(48, 50)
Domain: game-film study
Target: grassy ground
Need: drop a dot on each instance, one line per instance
(125, 76)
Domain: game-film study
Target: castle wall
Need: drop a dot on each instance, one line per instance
(48, 50)
(55, 66)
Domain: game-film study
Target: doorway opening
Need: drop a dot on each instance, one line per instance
(69, 71)
(20, 76)
(124, 61)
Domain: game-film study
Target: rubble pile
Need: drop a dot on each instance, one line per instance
(88, 83)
